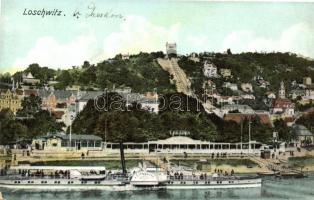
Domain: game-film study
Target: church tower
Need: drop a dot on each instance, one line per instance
(282, 91)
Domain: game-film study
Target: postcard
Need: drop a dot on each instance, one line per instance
(169, 99)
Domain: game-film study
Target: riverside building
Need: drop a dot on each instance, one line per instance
(176, 144)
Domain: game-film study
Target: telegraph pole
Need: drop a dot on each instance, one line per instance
(249, 135)
(71, 119)
(241, 133)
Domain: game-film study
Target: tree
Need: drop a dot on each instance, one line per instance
(10, 130)
(65, 79)
(138, 125)
(30, 106)
(284, 132)
(44, 74)
(307, 121)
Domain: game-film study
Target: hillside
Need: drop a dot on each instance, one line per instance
(247, 68)
(273, 67)
(140, 72)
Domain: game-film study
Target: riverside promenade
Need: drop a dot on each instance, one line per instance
(279, 163)
(156, 158)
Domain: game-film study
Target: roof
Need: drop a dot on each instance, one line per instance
(60, 94)
(238, 117)
(151, 95)
(73, 137)
(289, 119)
(87, 95)
(236, 107)
(28, 75)
(309, 111)
(178, 140)
(57, 114)
(298, 92)
(301, 130)
(30, 92)
(61, 105)
(137, 97)
(282, 103)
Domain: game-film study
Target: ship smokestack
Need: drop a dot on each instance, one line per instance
(122, 158)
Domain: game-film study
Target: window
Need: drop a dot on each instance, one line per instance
(84, 143)
(232, 146)
(205, 146)
(98, 144)
(64, 143)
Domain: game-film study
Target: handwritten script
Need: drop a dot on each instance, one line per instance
(90, 12)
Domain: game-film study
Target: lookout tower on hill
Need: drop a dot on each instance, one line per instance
(171, 49)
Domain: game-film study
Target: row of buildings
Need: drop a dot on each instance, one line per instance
(65, 105)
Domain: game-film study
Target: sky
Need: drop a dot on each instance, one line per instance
(64, 41)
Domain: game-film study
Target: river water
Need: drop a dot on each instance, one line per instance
(272, 189)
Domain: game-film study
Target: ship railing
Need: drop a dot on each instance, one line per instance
(38, 177)
(204, 178)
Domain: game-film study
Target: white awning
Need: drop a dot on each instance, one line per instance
(179, 140)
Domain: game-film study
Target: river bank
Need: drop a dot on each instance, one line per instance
(303, 163)
(238, 164)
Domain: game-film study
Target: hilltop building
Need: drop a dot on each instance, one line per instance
(29, 79)
(171, 48)
(125, 56)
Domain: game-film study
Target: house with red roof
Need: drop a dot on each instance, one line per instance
(238, 117)
(283, 106)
